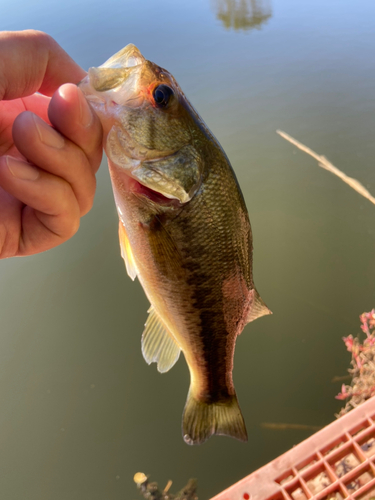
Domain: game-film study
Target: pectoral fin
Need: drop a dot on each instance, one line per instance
(157, 344)
(165, 251)
(126, 252)
(176, 176)
(257, 308)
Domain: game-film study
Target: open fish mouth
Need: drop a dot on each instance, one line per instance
(109, 78)
(168, 176)
(152, 195)
(140, 189)
(127, 57)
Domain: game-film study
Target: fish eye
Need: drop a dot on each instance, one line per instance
(162, 95)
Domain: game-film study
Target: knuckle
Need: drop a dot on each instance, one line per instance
(68, 224)
(97, 156)
(33, 32)
(40, 40)
(39, 36)
(87, 205)
(87, 201)
(9, 242)
(70, 210)
(61, 200)
(2, 240)
(67, 198)
(73, 226)
(83, 182)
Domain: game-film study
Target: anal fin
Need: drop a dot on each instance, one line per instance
(158, 345)
(257, 308)
(126, 252)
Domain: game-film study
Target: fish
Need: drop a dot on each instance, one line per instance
(184, 232)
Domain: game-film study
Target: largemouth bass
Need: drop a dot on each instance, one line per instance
(184, 232)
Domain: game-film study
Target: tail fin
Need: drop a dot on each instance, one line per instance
(202, 420)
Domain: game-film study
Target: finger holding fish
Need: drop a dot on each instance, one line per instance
(72, 153)
(51, 170)
(47, 212)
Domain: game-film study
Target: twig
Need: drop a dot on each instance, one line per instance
(168, 485)
(327, 165)
(340, 378)
(283, 427)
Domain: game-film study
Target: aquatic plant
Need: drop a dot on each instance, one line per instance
(151, 491)
(362, 386)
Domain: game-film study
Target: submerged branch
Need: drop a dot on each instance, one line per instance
(327, 165)
(283, 427)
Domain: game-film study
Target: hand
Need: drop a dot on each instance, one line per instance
(50, 148)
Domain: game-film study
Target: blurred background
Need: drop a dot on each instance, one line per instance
(80, 410)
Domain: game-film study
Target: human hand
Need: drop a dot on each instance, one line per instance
(50, 148)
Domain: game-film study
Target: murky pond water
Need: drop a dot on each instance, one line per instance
(80, 410)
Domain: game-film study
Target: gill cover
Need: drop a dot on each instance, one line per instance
(176, 176)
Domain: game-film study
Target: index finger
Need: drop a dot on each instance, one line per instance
(32, 61)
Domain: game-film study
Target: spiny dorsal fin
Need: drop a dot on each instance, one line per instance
(126, 252)
(157, 343)
(257, 308)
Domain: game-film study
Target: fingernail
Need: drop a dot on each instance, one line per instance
(47, 134)
(86, 115)
(21, 169)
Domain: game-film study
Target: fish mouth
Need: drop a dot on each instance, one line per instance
(134, 166)
(139, 190)
(115, 81)
(154, 196)
(127, 57)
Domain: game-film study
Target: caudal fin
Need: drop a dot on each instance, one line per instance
(202, 420)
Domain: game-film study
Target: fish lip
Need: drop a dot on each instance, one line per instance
(128, 57)
(139, 189)
(95, 99)
(154, 197)
(89, 92)
(106, 80)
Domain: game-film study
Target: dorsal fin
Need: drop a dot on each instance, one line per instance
(158, 345)
(126, 252)
(257, 308)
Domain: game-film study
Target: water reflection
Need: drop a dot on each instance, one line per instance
(242, 14)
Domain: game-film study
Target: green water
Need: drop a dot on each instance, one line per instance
(80, 411)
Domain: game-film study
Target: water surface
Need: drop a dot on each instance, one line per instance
(80, 410)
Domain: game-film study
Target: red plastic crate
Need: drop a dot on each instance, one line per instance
(337, 462)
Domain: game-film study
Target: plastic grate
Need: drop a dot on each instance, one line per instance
(336, 463)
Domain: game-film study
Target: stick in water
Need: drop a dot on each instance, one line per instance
(284, 427)
(327, 165)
